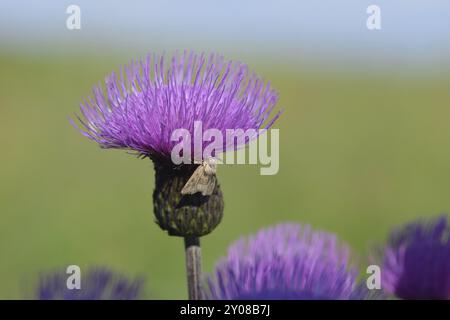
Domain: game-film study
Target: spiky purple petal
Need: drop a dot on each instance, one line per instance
(416, 262)
(140, 109)
(96, 284)
(287, 261)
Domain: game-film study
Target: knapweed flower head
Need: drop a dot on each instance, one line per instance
(416, 262)
(140, 109)
(287, 261)
(96, 284)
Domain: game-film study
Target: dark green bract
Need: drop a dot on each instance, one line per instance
(184, 215)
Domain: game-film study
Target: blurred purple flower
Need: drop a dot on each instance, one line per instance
(96, 284)
(416, 262)
(140, 109)
(287, 261)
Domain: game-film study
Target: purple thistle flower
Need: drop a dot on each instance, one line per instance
(416, 263)
(154, 104)
(139, 110)
(96, 284)
(287, 261)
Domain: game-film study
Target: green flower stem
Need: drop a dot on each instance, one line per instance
(193, 267)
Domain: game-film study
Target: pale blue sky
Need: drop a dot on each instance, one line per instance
(412, 30)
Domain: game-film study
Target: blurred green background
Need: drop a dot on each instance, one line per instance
(358, 155)
(362, 150)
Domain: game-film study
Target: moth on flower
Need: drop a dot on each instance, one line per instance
(139, 109)
(203, 179)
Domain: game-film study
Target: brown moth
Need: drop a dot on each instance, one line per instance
(203, 179)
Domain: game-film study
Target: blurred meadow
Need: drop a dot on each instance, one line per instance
(362, 150)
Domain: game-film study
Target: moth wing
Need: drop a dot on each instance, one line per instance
(208, 185)
(191, 185)
(200, 181)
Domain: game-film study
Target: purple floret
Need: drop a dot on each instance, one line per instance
(96, 284)
(140, 109)
(287, 261)
(416, 262)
